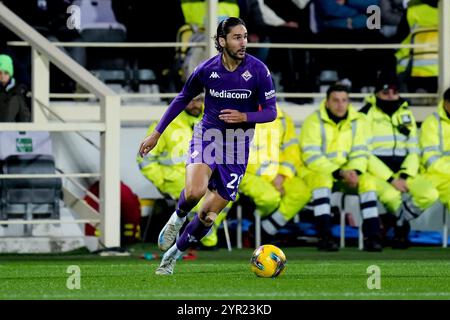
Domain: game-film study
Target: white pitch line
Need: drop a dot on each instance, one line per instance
(141, 294)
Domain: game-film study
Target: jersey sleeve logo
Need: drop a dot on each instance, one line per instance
(270, 94)
(246, 75)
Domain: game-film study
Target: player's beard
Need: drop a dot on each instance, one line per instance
(233, 55)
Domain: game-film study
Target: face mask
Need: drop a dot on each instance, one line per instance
(389, 106)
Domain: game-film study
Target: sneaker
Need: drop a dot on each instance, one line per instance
(166, 266)
(169, 233)
(168, 261)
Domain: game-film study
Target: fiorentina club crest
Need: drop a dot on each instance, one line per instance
(246, 75)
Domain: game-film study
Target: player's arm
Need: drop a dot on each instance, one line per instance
(192, 88)
(268, 114)
(266, 99)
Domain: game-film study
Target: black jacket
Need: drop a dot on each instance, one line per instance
(13, 107)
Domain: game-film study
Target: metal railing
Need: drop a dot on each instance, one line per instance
(44, 52)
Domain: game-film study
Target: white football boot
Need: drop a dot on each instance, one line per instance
(169, 233)
(168, 261)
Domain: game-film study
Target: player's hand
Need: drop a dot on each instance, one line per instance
(400, 184)
(278, 183)
(350, 178)
(149, 143)
(232, 116)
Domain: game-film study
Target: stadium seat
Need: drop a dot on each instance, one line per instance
(30, 198)
(107, 65)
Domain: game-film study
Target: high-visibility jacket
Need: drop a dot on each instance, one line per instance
(327, 146)
(168, 158)
(275, 149)
(393, 140)
(194, 11)
(435, 142)
(423, 22)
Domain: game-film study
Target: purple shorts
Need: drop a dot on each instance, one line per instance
(225, 153)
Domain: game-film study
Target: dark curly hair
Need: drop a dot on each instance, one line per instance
(224, 28)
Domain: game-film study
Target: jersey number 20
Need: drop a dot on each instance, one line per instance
(234, 178)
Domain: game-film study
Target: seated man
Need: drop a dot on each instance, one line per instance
(272, 179)
(395, 158)
(165, 165)
(436, 149)
(333, 142)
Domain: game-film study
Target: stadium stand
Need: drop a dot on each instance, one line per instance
(126, 70)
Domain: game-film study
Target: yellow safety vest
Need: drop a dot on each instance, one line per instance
(327, 146)
(389, 138)
(194, 11)
(423, 21)
(168, 158)
(435, 142)
(275, 149)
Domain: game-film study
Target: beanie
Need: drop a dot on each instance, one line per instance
(6, 64)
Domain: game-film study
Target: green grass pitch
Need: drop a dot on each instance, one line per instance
(417, 273)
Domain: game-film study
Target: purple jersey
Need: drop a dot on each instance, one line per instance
(225, 146)
(244, 89)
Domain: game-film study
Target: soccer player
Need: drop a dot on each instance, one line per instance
(235, 85)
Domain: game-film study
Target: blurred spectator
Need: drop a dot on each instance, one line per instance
(146, 22)
(274, 176)
(392, 14)
(49, 17)
(435, 146)
(419, 68)
(345, 21)
(22, 74)
(195, 16)
(287, 21)
(250, 12)
(130, 214)
(13, 107)
(394, 162)
(194, 11)
(342, 14)
(99, 24)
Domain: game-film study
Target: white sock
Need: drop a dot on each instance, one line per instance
(175, 219)
(173, 252)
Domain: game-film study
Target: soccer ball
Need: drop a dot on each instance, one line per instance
(268, 261)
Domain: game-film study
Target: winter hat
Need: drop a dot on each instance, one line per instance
(6, 64)
(385, 81)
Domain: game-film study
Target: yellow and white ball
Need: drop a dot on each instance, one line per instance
(268, 261)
